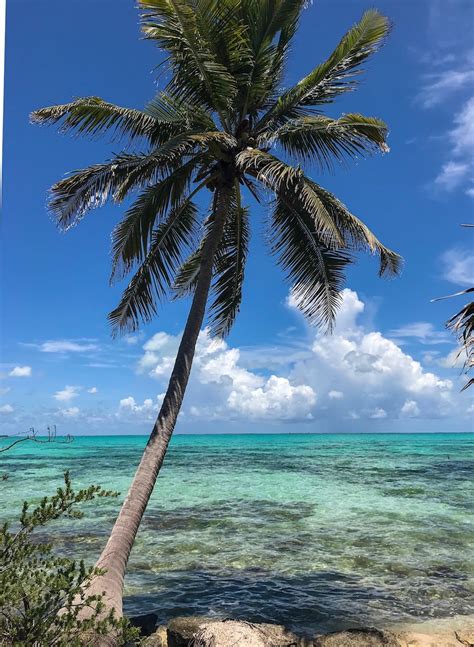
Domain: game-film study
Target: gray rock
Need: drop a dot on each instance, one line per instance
(157, 639)
(357, 638)
(181, 630)
(229, 633)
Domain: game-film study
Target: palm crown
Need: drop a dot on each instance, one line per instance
(218, 123)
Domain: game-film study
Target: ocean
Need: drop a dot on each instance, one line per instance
(316, 532)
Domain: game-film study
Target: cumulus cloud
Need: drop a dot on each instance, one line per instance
(6, 408)
(93, 389)
(20, 371)
(129, 408)
(459, 266)
(131, 340)
(369, 368)
(378, 413)
(410, 409)
(228, 389)
(68, 393)
(353, 374)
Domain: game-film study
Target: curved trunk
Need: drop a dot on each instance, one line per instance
(115, 555)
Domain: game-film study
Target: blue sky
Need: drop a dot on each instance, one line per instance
(389, 365)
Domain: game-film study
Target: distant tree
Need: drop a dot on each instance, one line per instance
(219, 125)
(42, 596)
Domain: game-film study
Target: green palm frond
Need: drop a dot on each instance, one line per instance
(229, 269)
(357, 235)
(287, 182)
(271, 25)
(90, 188)
(316, 272)
(94, 116)
(335, 76)
(322, 140)
(175, 117)
(462, 325)
(131, 236)
(156, 273)
(213, 127)
(187, 275)
(197, 75)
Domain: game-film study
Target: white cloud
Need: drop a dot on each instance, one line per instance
(4, 390)
(6, 408)
(355, 373)
(441, 85)
(276, 399)
(378, 413)
(129, 408)
(227, 388)
(20, 371)
(452, 174)
(422, 331)
(93, 389)
(66, 346)
(410, 409)
(68, 393)
(459, 266)
(71, 412)
(368, 367)
(459, 170)
(131, 340)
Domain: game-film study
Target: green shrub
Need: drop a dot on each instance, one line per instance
(42, 595)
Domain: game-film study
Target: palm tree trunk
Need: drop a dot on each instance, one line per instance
(115, 555)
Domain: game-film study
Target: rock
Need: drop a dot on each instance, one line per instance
(146, 623)
(157, 639)
(181, 630)
(229, 633)
(357, 638)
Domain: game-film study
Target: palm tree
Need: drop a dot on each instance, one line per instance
(462, 325)
(218, 126)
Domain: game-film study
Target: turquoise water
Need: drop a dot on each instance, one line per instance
(316, 532)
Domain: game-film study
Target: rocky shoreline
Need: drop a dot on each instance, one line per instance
(199, 631)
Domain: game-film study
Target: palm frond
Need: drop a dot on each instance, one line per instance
(271, 25)
(229, 269)
(174, 116)
(287, 182)
(197, 75)
(333, 77)
(317, 273)
(130, 238)
(356, 234)
(462, 325)
(187, 275)
(90, 188)
(94, 116)
(322, 140)
(156, 273)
